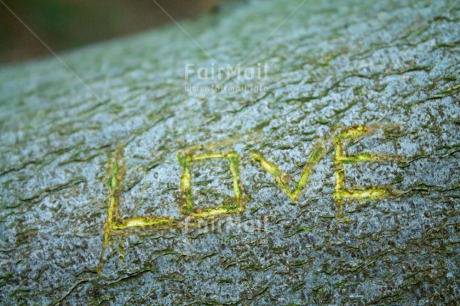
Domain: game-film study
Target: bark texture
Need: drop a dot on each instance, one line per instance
(390, 64)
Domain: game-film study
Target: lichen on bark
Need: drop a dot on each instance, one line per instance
(389, 64)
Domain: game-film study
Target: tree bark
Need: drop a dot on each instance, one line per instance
(359, 110)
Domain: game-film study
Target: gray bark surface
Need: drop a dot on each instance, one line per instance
(390, 64)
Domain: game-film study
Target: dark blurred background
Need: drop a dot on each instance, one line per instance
(65, 24)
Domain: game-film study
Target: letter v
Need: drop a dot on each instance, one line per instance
(280, 176)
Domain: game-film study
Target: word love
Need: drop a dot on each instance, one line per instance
(192, 217)
(115, 222)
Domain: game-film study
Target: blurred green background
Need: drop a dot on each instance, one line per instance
(66, 24)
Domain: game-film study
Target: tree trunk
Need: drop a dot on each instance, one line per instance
(331, 176)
